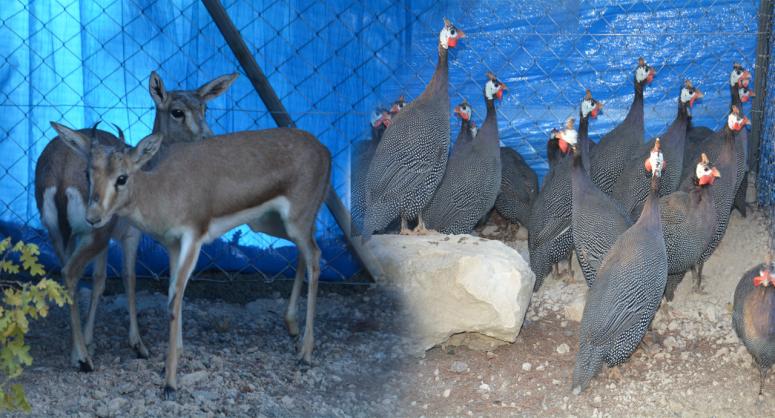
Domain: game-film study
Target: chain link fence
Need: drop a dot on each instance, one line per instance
(331, 62)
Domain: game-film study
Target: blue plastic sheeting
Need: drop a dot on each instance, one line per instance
(331, 62)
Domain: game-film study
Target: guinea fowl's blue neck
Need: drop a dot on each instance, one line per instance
(440, 81)
(636, 109)
(583, 140)
(734, 92)
(376, 133)
(650, 212)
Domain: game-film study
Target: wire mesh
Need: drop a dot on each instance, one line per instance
(331, 62)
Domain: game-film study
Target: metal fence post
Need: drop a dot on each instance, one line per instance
(283, 119)
(760, 84)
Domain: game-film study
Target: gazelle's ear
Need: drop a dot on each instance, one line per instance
(216, 87)
(156, 88)
(145, 150)
(73, 139)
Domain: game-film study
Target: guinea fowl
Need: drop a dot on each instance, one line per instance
(739, 79)
(633, 187)
(688, 223)
(753, 315)
(411, 157)
(597, 219)
(625, 295)
(473, 176)
(518, 189)
(608, 158)
(362, 153)
(467, 125)
(730, 161)
(550, 239)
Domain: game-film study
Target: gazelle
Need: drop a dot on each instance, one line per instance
(273, 180)
(61, 191)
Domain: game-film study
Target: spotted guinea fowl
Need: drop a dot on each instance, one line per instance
(730, 161)
(518, 189)
(597, 219)
(412, 155)
(550, 239)
(632, 187)
(467, 125)
(739, 80)
(609, 156)
(624, 296)
(688, 223)
(473, 176)
(361, 155)
(753, 315)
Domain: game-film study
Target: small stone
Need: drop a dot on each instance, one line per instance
(484, 387)
(527, 367)
(287, 401)
(204, 395)
(563, 348)
(192, 379)
(597, 399)
(99, 394)
(116, 405)
(446, 393)
(674, 325)
(458, 367)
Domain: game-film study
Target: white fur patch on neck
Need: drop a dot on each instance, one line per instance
(641, 74)
(490, 89)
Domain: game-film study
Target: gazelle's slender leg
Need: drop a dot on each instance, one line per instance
(291, 314)
(189, 254)
(174, 256)
(83, 252)
(100, 272)
(309, 249)
(129, 243)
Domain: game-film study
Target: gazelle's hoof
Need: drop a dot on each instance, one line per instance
(86, 366)
(141, 351)
(293, 327)
(169, 393)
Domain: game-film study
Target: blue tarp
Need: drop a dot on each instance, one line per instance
(331, 62)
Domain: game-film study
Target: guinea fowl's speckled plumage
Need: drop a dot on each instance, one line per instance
(598, 219)
(471, 182)
(550, 238)
(613, 150)
(624, 297)
(361, 156)
(730, 162)
(753, 318)
(518, 189)
(633, 185)
(411, 157)
(688, 223)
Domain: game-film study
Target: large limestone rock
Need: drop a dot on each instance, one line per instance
(456, 284)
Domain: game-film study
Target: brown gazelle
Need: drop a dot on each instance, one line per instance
(61, 191)
(273, 180)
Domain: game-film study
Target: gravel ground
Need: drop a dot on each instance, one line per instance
(238, 360)
(695, 366)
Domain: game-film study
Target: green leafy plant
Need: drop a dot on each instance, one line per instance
(21, 302)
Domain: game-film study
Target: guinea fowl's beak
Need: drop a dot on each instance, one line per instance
(499, 93)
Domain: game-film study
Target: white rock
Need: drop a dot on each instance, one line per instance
(574, 309)
(456, 284)
(458, 367)
(563, 348)
(527, 367)
(446, 393)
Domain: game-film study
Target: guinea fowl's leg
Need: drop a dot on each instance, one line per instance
(697, 277)
(615, 374)
(762, 377)
(421, 229)
(404, 227)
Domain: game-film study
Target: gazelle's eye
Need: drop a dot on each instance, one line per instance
(121, 180)
(177, 113)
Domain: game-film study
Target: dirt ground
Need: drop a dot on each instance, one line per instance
(697, 366)
(239, 361)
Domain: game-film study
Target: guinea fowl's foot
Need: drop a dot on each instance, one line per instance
(405, 231)
(615, 374)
